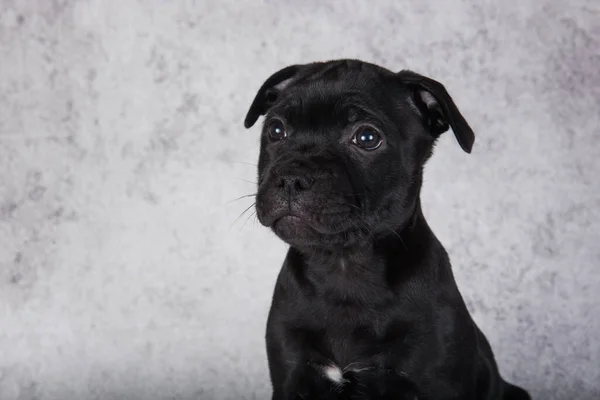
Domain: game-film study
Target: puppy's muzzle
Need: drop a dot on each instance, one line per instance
(299, 192)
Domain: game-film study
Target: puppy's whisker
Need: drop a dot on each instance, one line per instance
(248, 217)
(363, 227)
(244, 162)
(399, 237)
(239, 216)
(353, 206)
(367, 226)
(247, 181)
(357, 366)
(241, 197)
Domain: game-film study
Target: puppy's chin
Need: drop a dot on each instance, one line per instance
(298, 232)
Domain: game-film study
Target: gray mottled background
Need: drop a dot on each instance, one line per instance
(122, 146)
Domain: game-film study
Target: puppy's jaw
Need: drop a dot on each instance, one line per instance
(304, 229)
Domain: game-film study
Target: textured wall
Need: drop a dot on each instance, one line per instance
(122, 146)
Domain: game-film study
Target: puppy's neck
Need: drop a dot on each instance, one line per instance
(380, 261)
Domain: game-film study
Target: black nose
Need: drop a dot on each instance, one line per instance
(293, 184)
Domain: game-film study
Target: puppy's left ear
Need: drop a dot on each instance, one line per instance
(438, 109)
(267, 94)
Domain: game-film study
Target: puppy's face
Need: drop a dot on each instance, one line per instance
(342, 150)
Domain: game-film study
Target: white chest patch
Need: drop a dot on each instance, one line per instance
(334, 374)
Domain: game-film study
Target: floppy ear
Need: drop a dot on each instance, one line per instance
(438, 109)
(268, 92)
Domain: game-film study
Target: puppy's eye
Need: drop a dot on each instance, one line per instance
(276, 130)
(367, 139)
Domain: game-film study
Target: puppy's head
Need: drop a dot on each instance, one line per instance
(343, 147)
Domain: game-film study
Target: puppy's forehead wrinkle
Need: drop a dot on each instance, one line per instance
(319, 108)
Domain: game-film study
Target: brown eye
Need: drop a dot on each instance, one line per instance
(276, 130)
(367, 139)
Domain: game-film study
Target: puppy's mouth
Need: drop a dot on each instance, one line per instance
(331, 222)
(290, 222)
(313, 217)
(289, 219)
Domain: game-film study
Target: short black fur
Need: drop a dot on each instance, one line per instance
(366, 288)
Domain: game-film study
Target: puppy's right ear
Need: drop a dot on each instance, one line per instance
(438, 109)
(268, 92)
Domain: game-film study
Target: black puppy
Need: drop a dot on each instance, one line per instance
(365, 306)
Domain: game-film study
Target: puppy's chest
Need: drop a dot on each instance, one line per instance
(352, 347)
(351, 316)
(359, 342)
